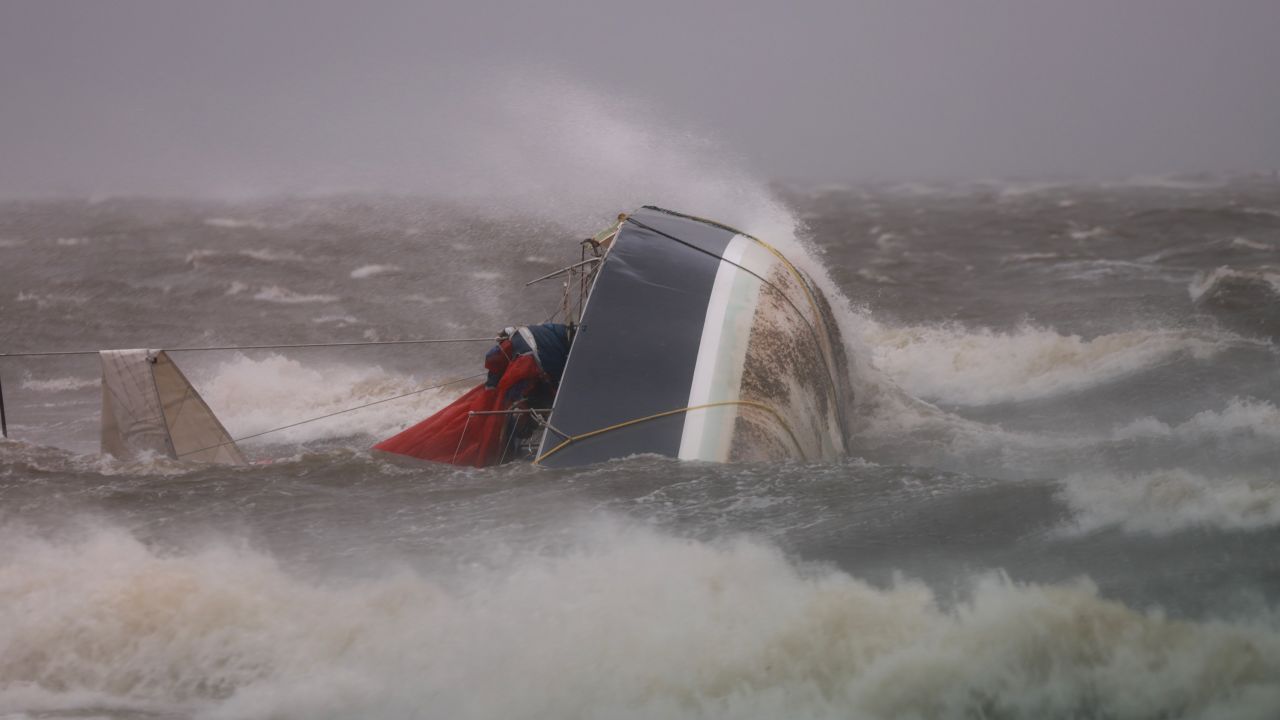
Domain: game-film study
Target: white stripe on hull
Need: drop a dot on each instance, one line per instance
(717, 373)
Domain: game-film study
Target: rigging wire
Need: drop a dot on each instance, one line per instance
(265, 347)
(571, 439)
(332, 414)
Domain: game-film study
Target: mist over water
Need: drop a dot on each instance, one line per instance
(1062, 501)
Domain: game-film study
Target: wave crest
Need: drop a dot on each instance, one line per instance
(1166, 501)
(963, 366)
(1223, 284)
(254, 395)
(628, 623)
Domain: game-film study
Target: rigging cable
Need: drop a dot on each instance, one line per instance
(570, 439)
(332, 414)
(264, 347)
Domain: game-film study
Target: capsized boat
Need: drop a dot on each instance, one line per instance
(686, 338)
(690, 339)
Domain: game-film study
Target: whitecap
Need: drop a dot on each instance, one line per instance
(1246, 243)
(1241, 415)
(62, 384)
(1203, 284)
(1170, 500)
(269, 255)
(253, 395)
(277, 294)
(623, 622)
(260, 254)
(366, 271)
(47, 300)
(1090, 234)
(337, 319)
(1030, 257)
(964, 366)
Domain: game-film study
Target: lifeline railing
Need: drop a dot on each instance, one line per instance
(538, 415)
(581, 274)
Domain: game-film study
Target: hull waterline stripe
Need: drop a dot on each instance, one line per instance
(704, 375)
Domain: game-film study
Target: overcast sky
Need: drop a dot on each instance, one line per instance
(261, 96)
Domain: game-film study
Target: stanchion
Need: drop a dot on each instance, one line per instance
(4, 422)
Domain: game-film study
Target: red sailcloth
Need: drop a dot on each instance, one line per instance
(453, 435)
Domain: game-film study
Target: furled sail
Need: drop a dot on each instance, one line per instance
(149, 406)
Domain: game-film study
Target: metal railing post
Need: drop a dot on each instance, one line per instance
(4, 422)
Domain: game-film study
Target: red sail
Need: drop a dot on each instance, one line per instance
(453, 435)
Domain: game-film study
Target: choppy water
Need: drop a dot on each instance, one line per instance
(1064, 503)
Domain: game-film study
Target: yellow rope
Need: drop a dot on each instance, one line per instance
(570, 439)
(804, 285)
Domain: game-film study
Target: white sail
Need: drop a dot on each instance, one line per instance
(148, 406)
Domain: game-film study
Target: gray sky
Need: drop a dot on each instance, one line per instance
(235, 97)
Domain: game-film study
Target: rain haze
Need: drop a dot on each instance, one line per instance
(248, 97)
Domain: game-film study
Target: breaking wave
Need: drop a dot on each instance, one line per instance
(61, 384)
(1224, 282)
(966, 366)
(1165, 501)
(366, 271)
(261, 254)
(254, 395)
(277, 294)
(1092, 233)
(1241, 415)
(1247, 244)
(624, 623)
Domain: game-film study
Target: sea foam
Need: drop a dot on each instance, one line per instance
(253, 395)
(278, 294)
(1241, 415)
(1221, 279)
(60, 384)
(1174, 499)
(367, 271)
(625, 623)
(955, 364)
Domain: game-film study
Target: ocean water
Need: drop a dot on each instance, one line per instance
(1063, 497)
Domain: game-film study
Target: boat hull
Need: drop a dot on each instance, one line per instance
(702, 343)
